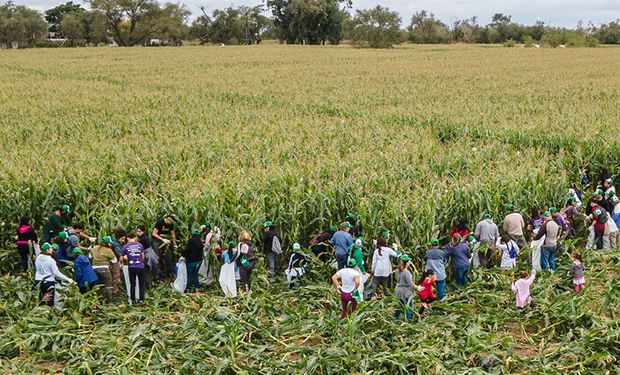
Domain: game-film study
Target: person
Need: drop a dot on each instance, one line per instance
(355, 230)
(350, 279)
(426, 295)
(571, 212)
(271, 240)
(46, 274)
(356, 252)
(211, 250)
(486, 234)
(584, 179)
(55, 222)
(245, 260)
(404, 288)
(320, 245)
(599, 223)
(229, 270)
(26, 240)
(103, 256)
(559, 219)
(536, 221)
(551, 231)
(381, 267)
(576, 271)
(459, 254)
(76, 233)
(164, 241)
(66, 245)
(133, 254)
(513, 226)
(574, 194)
(608, 186)
(611, 230)
(193, 256)
(83, 274)
(521, 289)
(342, 240)
(460, 229)
(615, 216)
(151, 261)
(54, 254)
(509, 249)
(296, 266)
(435, 259)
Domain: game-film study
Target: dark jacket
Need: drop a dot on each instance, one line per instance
(459, 255)
(268, 240)
(53, 226)
(193, 250)
(84, 272)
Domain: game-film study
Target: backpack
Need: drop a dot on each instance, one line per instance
(511, 251)
(602, 218)
(276, 247)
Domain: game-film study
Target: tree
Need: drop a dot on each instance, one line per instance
(21, 24)
(95, 26)
(73, 28)
(309, 21)
(424, 28)
(376, 28)
(466, 31)
(609, 33)
(55, 15)
(242, 25)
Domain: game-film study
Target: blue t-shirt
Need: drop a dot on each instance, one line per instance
(134, 251)
(342, 240)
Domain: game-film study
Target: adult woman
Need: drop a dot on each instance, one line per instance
(381, 267)
(404, 288)
(460, 229)
(26, 237)
(350, 278)
(246, 260)
(103, 256)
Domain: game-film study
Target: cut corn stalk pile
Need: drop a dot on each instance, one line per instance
(407, 139)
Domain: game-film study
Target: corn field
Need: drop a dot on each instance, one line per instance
(406, 139)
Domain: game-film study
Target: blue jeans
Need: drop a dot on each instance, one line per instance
(342, 260)
(547, 257)
(460, 275)
(407, 305)
(441, 289)
(192, 275)
(271, 262)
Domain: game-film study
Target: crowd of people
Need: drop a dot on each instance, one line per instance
(142, 257)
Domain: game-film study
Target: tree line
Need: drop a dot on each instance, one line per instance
(314, 22)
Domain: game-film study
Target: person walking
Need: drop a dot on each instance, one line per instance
(459, 254)
(151, 260)
(486, 235)
(577, 270)
(229, 270)
(381, 267)
(350, 279)
(246, 260)
(404, 288)
(193, 256)
(550, 230)
(513, 226)
(46, 274)
(26, 240)
(272, 246)
(103, 257)
(133, 254)
(435, 259)
(342, 240)
(521, 289)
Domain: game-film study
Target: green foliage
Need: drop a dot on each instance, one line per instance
(528, 41)
(242, 25)
(510, 43)
(20, 24)
(375, 28)
(425, 29)
(609, 33)
(54, 16)
(552, 40)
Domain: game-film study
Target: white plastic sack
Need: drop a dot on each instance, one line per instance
(180, 283)
(590, 243)
(59, 300)
(475, 260)
(128, 284)
(205, 272)
(535, 246)
(227, 280)
(363, 278)
(334, 265)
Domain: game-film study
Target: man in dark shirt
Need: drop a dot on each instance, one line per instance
(268, 236)
(163, 242)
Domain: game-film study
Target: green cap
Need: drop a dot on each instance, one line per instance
(349, 216)
(65, 208)
(470, 238)
(46, 246)
(385, 234)
(106, 239)
(296, 246)
(610, 181)
(615, 199)
(346, 224)
(359, 241)
(434, 242)
(552, 210)
(351, 262)
(195, 231)
(232, 244)
(207, 223)
(404, 258)
(510, 207)
(598, 212)
(76, 250)
(55, 246)
(487, 216)
(63, 235)
(333, 228)
(572, 199)
(267, 223)
(547, 214)
(599, 192)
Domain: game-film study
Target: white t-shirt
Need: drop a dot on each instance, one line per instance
(347, 277)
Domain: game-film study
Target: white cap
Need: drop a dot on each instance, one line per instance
(296, 246)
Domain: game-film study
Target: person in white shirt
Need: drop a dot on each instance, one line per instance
(381, 267)
(46, 274)
(509, 249)
(350, 279)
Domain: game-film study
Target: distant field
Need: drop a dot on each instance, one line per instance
(405, 139)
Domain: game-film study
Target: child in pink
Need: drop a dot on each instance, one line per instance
(521, 288)
(576, 271)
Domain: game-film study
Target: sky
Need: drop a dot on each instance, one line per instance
(559, 13)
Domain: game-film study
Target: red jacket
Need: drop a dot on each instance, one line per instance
(463, 233)
(427, 283)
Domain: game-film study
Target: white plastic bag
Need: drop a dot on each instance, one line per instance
(128, 285)
(475, 259)
(205, 272)
(535, 246)
(227, 280)
(363, 278)
(180, 283)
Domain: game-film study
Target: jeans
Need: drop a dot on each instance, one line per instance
(547, 257)
(24, 253)
(271, 262)
(192, 275)
(139, 273)
(342, 260)
(406, 305)
(441, 288)
(345, 299)
(460, 275)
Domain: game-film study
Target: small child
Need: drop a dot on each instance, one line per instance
(426, 295)
(576, 271)
(521, 288)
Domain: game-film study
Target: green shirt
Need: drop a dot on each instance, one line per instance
(356, 253)
(54, 225)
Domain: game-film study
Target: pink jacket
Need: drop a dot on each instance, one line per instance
(521, 288)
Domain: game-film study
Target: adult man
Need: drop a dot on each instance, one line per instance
(55, 223)
(435, 259)
(151, 261)
(269, 236)
(486, 234)
(46, 274)
(320, 245)
(513, 226)
(163, 234)
(341, 241)
(552, 230)
(133, 254)
(354, 229)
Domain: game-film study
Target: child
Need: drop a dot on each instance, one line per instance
(509, 249)
(521, 288)
(576, 271)
(426, 294)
